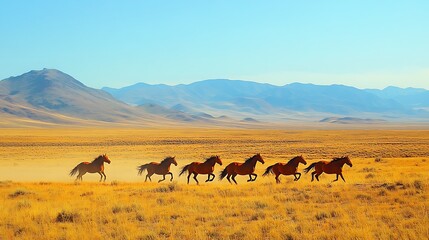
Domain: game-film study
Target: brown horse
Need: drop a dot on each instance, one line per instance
(206, 167)
(246, 168)
(96, 166)
(289, 168)
(162, 168)
(333, 167)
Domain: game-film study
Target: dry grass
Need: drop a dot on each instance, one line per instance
(385, 197)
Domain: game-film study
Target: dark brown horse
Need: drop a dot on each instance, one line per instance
(206, 167)
(333, 167)
(162, 168)
(96, 166)
(246, 168)
(289, 168)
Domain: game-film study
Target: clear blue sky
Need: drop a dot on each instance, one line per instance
(367, 44)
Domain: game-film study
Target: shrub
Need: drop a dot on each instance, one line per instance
(418, 184)
(18, 193)
(65, 216)
(322, 215)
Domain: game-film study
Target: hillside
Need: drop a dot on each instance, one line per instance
(243, 99)
(50, 97)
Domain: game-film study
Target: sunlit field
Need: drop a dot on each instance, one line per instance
(385, 195)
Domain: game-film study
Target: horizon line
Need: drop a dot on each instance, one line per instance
(224, 79)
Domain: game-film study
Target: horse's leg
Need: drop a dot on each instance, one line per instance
(341, 175)
(189, 175)
(148, 176)
(208, 177)
(250, 178)
(233, 178)
(228, 177)
(299, 176)
(277, 178)
(255, 175)
(162, 178)
(213, 177)
(77, 178)
(312, 175)
(80, 175)
(171, 179)
(317, 176)
(104, 176)
(195, 177)
(101, 176)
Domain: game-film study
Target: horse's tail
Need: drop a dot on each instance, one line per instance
(268, 170)
(74, 170)
(307, 169)
(184, 169)
(142, 168)
(223, 173)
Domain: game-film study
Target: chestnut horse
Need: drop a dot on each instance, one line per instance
(289, 168)
(96, 166)
(206, 167)
(162, 168)
(246, 168)
(333, 167)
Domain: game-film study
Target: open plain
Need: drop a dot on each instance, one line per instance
(385, 196)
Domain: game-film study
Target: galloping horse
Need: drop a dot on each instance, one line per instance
(289, 168)
(96, 166)
(246, 168)
(202, 168)
(333, 167)
(162, 168)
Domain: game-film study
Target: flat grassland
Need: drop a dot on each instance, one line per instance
(385, 196)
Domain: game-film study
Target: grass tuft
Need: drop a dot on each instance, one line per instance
(65, 217)
(18, 193)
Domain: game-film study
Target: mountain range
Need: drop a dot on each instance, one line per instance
(265, 101)
(50, 97)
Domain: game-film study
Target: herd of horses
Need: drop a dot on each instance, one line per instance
(233, 169)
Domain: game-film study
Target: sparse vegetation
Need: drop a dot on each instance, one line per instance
(380, 200)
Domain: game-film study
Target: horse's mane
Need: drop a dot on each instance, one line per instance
(249, 159)
(293, 159)
(210, 158)
(166, 159)
(338, 159)
(97, 158)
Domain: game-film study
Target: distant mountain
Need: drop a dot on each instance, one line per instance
(176, 115)
(50, 96)
(51, 91)
(351, 120)
(243, 98)
(415, 98)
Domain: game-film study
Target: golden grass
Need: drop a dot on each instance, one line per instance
(385, 196)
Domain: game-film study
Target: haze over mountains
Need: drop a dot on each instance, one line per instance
(50, 96)
(268, 102)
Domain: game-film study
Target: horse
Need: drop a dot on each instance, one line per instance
(162, 168)
(289, 168)
(206, 167)
(246, 168)
(333, 167)
(96, 166)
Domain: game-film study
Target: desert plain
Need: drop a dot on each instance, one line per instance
(385, 195)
